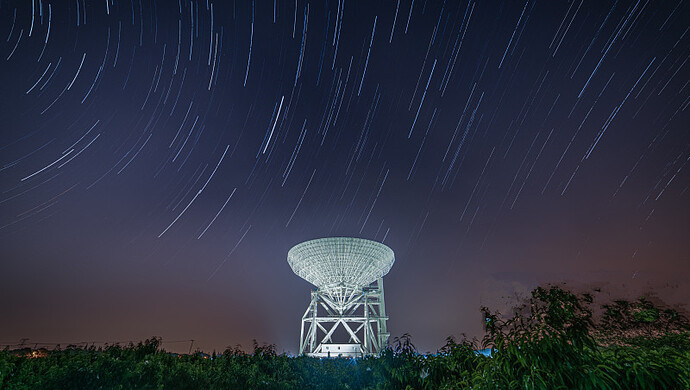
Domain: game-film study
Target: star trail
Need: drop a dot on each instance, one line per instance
(159, 158)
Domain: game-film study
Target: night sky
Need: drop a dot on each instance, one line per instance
(158, 159)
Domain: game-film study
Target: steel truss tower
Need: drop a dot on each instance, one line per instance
(362, 315)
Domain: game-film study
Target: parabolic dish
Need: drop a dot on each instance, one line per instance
(340, 261)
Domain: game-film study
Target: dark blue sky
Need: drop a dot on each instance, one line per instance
(158, 159)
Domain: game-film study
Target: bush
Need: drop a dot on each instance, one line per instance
(551, 342)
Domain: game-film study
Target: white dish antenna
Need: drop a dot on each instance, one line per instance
(343, 269)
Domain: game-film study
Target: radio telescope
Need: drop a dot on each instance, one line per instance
(348, 273)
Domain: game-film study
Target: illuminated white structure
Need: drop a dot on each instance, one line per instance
(348, 275)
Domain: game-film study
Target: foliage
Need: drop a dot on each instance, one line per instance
(626, 322)
(550, 342)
